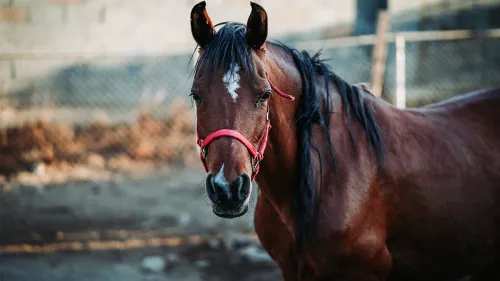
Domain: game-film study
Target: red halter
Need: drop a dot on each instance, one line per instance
(257, 154)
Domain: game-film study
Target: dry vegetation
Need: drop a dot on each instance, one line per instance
(68, 149)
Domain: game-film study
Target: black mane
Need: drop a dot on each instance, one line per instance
(309, 112)
(229, 47)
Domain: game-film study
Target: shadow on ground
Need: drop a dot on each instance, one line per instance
(175, 204)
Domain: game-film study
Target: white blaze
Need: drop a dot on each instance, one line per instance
(231, 80)
(219, 179)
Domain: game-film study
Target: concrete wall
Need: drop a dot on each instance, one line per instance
(148, 25)
(117, 27)
(131, 27)
(444, 15)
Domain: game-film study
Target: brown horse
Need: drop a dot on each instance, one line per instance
(351, 188)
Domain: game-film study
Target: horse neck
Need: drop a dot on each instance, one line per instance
(278, 169)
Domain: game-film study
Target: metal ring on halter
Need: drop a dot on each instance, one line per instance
(254, 161)
(203, 153)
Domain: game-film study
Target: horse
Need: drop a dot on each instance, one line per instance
(351, 187)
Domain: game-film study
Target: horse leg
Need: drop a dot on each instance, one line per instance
(276, 238)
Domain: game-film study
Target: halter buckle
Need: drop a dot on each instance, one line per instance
(254, 161)
(203, 153)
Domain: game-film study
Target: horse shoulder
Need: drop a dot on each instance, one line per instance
(352, 229)
(275, 237)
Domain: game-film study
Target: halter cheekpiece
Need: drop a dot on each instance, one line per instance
(257, 154)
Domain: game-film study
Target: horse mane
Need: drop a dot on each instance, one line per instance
(309, 112)
(229, 46)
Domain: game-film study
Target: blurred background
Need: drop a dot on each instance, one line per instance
(99, 173)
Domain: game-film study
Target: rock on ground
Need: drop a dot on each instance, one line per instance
(155, 264)
(255, 254)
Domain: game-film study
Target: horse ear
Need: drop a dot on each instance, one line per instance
(201, 25)
(256, 27)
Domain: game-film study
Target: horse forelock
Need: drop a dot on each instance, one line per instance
(227, 49)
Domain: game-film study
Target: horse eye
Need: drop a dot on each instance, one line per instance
(195, 97)
(265, 96)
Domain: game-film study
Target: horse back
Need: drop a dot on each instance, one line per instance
(442, 185)
(484, 103)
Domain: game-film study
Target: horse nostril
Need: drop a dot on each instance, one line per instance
(220, 191)
(244, 187)
(211, 192)
(236, 187)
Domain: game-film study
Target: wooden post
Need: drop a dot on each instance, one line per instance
(380, 53)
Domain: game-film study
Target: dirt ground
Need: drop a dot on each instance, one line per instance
(191, 264)
(132, 213)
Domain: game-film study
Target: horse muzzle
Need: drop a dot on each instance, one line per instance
(229, 199)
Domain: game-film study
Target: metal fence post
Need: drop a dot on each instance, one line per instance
(400, 72)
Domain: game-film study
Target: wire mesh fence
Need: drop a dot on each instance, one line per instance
(96, 119)
(100, 117)
(438, 65)
(436, 70)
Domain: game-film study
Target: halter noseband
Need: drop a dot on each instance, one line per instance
(257, 154)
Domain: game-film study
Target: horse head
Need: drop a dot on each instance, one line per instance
(231, 90)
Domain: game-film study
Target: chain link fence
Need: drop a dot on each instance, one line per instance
(436, 70)
(437, 65)
(96, 118)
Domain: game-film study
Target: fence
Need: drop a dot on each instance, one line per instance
(422, 67)
(127, 113)
(93, 118)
